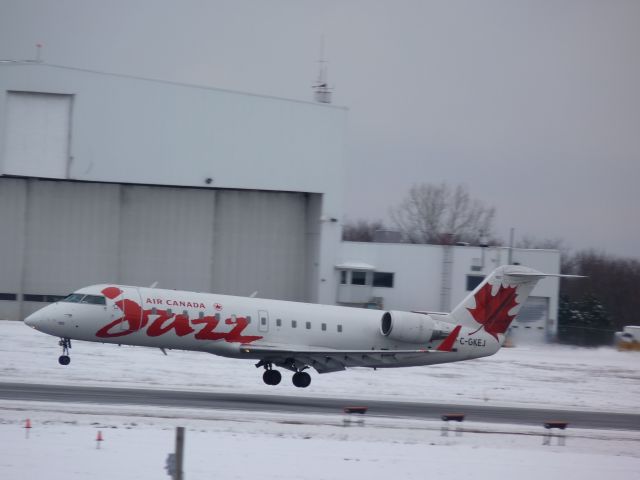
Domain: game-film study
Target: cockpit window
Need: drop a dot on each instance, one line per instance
(94, 300)
(82, 298)
(73, 298)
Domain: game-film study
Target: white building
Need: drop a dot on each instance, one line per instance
(109, 178)
(400, 276)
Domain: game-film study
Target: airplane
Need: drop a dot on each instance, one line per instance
(291, 335)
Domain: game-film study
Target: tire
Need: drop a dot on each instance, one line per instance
(64, 360)
(301, 379)
(271, 377)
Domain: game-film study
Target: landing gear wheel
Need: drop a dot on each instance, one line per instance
(271, 377)
(64, 359)
(301, 379)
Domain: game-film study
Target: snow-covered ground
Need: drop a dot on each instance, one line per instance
(246, 445)
(226, 445)
(543, 376)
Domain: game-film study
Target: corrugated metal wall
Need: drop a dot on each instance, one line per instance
(260, 244)
(57, 236)
(166, 236)
(71, 235)
(12, 229)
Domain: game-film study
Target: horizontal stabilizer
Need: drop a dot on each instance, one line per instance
(541, 275)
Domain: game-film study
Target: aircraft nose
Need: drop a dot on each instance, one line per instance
(33, 320)
(30, 321)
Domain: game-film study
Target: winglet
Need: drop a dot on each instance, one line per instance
(447, 343)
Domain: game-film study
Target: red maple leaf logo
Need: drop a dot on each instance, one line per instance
(492, 312)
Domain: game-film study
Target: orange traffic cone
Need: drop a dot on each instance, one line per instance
(27, 428)
(99, 439)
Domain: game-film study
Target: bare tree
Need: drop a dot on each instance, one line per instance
(438, 214)
(612, 280)
(361, 230)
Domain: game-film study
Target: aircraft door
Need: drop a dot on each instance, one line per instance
(126, 307)
(263, 320)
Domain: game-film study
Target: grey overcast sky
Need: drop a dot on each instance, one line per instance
(533, 105)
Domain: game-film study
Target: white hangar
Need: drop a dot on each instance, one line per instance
(110, 178)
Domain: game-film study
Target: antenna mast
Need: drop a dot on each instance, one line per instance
(321, 90)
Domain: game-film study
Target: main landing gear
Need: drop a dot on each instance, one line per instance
(270, 376)
(64, 359)
(301, 379)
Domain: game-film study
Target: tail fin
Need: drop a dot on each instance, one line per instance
(497, 300)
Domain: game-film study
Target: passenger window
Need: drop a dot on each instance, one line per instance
(169, 312)
(185, 313)
(248, 319)
(308, 325)
(278, 322)
(200, 314)
(324, 327)
(263, 321)
(294, 324)
(339, 328)
(154, 311)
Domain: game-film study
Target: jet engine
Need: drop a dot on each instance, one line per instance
(413, 327)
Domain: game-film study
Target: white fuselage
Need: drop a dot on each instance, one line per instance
(220, 324)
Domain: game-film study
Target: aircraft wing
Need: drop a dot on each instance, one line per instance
(330, 360)
(425, 312)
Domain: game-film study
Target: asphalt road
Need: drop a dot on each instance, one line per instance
(278, 403)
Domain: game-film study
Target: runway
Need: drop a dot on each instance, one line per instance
(277, 403)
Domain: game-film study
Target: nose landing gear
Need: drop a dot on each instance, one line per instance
(64, 359)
